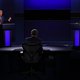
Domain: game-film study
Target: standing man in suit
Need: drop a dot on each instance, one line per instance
(1, 29)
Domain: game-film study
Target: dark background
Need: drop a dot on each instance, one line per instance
(75, 6)
(50, 28)
(15, 9)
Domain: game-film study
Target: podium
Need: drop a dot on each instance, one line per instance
(7, 31)
(76, 34)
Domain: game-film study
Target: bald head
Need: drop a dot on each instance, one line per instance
(34, 32)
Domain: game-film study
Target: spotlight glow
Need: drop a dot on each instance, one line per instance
(47, 4)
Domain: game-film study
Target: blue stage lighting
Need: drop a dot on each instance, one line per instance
(47, 4)
(77, 38)
(7, 38)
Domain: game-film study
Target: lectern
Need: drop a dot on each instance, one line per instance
(7, 30)
(76, 33)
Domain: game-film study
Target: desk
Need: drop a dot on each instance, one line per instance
(7, 28)
(45, 48)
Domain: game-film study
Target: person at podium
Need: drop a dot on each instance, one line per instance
(2, 17)
(1, 29)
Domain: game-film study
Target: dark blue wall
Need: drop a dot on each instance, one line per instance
(50, 30)
(75, 5)
(1, 3)
(19, 6)
(19, 31)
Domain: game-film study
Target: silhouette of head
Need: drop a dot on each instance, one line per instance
(34, 32)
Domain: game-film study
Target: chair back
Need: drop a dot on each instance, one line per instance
(31, 52)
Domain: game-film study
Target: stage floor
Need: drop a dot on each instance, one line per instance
(46, 48)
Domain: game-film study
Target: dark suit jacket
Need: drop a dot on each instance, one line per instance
(32, 40)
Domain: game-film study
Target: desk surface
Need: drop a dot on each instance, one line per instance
(44, 48)
(9, 24)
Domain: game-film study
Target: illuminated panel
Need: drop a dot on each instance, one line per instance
(7, 37)
(47, 4)
(77, 37)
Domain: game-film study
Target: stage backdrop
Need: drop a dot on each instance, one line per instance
(19, 6)
(50, 30)
(1, 3)
(75, 6)
(46, 4)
